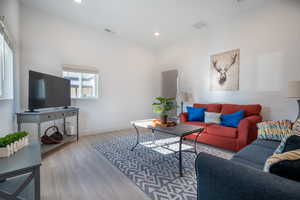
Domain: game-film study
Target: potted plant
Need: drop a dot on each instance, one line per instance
(163, 106)
(11, 143)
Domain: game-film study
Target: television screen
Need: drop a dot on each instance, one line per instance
(47, 91)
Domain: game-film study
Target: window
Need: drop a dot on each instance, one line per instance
(1, 64)
(84, 83)
(6, 65)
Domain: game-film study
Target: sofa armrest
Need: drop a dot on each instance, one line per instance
(254, 119)
(183, 117)
(220, 179)
(247, 130)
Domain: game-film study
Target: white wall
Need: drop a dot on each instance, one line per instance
(128, 80)
(269, 40)
(10, 9)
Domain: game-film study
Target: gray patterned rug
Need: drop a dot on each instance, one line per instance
(154, 169)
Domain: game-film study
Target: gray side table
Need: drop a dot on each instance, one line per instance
(22, 174)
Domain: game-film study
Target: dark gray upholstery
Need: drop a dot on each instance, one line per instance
(242, 177)
(255, 154)
(266, 143)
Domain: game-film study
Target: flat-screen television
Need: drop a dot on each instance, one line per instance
(47, 91)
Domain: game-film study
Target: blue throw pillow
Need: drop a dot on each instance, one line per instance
(195, 114)
(232, 120)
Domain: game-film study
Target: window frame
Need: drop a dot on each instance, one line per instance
(6, 66)
(2, 61)
(82, 70)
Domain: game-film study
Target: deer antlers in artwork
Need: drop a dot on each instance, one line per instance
(223, 71)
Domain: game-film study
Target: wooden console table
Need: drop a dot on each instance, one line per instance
(21, 173)
(50, 115)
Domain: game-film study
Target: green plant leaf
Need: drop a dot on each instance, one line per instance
(164, 105)
(11, 138)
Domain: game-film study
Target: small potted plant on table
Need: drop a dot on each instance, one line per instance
(163, 107)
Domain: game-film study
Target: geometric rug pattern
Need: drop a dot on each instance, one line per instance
(152, 169)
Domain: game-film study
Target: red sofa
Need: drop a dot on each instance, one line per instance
(227, 137)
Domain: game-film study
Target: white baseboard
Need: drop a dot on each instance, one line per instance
(105, 130)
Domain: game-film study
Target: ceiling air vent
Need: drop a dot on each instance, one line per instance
(199, 25)
(108, 30)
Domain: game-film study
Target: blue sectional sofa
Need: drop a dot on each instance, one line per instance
(242, 177)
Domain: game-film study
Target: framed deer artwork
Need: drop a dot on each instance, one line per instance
(224, 70)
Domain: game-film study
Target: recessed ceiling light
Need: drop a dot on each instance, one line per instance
(156, 34)
(78, 1)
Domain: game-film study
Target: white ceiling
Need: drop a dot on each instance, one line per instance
(137, 20)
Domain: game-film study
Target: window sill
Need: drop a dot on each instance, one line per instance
(87, 98)
(6, 98)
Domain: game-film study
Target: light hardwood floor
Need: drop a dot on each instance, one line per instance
(78, 172)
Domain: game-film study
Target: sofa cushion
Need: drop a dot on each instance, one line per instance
(211, 117)
(254, 154)
(218, 130)
(249, 109)
(290, 143)
(195, 114)
(202, 124)
(267, 144)
(296, 126)
(285, 165)
(210, 107)
(232, 120)
(274, 130)
(247, 163)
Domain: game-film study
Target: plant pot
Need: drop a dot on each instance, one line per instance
(26, 141)
(163, 119)
(21, 143)
(10, 148)
(15, 146)
(5, 151)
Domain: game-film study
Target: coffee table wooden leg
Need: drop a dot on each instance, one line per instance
(180, 157)
(137, 137)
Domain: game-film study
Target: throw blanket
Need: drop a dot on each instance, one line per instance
(274, 130)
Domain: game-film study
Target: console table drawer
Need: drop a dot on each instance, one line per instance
(48, 117)
(44, 116)
(71, 113)
(62, 115)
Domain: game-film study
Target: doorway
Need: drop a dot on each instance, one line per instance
(169, 86)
